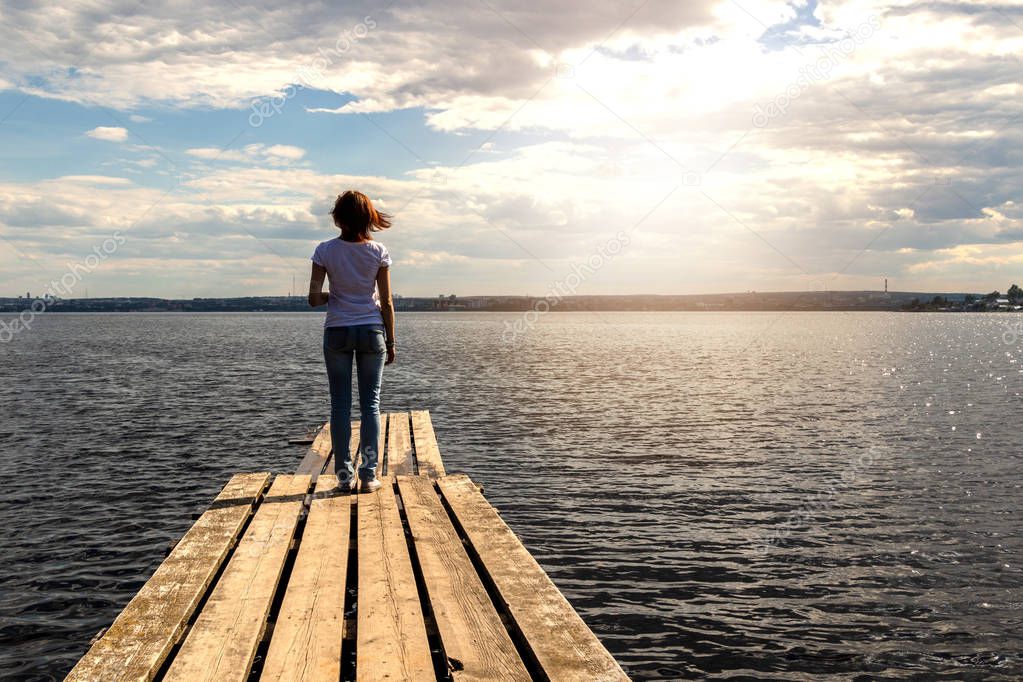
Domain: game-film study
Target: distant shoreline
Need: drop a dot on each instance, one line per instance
(837, 301)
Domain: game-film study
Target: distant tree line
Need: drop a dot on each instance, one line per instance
(1014, 297)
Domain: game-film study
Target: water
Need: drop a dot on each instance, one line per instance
(726, 496)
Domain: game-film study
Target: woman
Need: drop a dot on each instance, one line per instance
(359, 325)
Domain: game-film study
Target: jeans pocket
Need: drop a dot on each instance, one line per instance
(372, 340)
(335, 339)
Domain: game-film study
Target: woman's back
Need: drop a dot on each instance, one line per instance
(359, 328)
(352, 269)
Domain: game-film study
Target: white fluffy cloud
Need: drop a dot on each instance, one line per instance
(275, 154)
(108, 134)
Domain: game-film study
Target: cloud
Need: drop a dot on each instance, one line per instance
(283, 151)
(220, 54)
(429, 259)
(108, 134)
(277, 154)
(523, 217)
(93, 180)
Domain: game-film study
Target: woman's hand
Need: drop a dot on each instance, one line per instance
(390, 355)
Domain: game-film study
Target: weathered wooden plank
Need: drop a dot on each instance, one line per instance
(135, 646)
(399, 445)
(222, 643)
(390, 629)
(427, 452)
(475, 641)
(306, 643)
(314, 460)
(560, 641)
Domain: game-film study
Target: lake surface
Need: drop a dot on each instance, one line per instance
(728, 496)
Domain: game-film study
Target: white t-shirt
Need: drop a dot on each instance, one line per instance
(352, 268)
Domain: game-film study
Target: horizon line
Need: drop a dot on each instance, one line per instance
(569, 296)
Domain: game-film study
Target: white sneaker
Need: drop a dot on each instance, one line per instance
(346, 486)
(370, 485)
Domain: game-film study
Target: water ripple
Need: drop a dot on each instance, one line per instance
(721, 496)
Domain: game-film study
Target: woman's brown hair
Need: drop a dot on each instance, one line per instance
(355, 216)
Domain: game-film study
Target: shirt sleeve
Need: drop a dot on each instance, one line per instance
(385, 257)
(318, 255)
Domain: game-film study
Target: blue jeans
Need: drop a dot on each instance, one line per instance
(365, 343)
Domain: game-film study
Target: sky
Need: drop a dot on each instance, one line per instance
(194, 149)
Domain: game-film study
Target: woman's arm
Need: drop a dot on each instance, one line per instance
(316, 295)
(387, 309)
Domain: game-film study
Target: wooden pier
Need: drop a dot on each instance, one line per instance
(290, 579)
